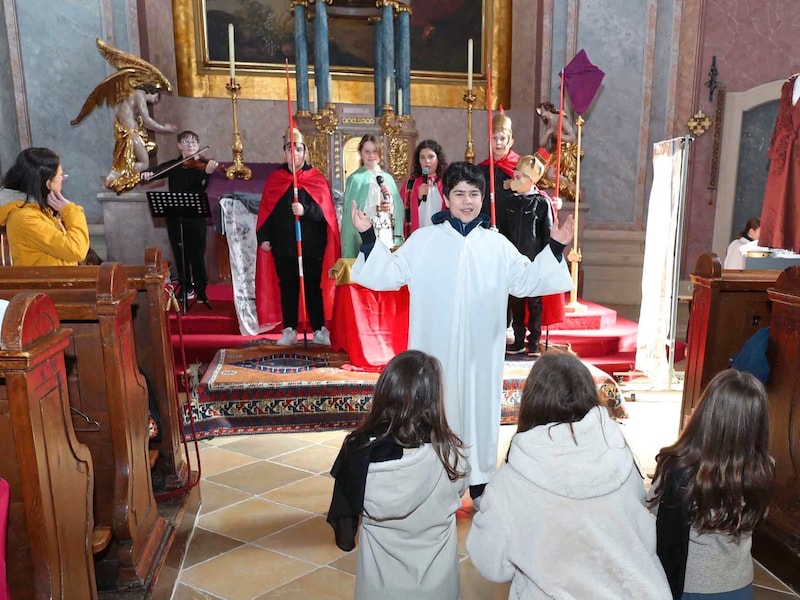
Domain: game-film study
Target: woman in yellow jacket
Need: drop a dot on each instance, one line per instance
(43, 227)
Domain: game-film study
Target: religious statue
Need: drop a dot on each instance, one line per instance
(127, 92)
(548, 139)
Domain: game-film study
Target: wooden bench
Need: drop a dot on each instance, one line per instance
(51, 522)
(105, 385)
(154, 353)
(776, 544)
(728, 307)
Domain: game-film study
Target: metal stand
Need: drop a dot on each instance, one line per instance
(180, 205)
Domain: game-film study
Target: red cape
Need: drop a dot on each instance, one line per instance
(268, 295)
(505, 164)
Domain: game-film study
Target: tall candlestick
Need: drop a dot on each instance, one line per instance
(388, 99)
(399, 101)
(330, 89)
(231, 52)
(469, 64)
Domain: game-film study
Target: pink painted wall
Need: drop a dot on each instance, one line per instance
(755, 42)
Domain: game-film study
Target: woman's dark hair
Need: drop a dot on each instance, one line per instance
(368, 137)
(721, 465)
(441, 159)
(31, 171)
(409, 404)
(559, 389)
(752, 223)
(463, 171)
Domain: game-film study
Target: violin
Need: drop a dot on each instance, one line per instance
(201, 163)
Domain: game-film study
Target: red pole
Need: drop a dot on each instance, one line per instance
(493, 218)
(298, 234)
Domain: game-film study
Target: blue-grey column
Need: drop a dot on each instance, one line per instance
(321, 58)
(378, 68)
(404, 56)
(301, 55)
(387, 20)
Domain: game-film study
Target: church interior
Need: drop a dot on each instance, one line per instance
(243, 516)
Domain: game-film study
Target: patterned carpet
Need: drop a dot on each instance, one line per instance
(265, 388)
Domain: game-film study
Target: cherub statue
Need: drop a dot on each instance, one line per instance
(127, 92)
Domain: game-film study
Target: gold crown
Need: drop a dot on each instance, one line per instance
(532, 166)
(501, 122)
(293, 135)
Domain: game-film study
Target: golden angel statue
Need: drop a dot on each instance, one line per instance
(127, 93)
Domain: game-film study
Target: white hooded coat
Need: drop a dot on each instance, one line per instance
(408, 545)
(568, 520)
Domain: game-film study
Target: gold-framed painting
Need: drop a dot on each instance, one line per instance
(265, 39)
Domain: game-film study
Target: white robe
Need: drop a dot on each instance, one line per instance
(459, 289)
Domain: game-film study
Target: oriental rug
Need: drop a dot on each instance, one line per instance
(266, 388)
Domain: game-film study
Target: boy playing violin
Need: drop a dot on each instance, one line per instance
(191, 176)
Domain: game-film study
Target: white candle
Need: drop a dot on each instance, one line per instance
(399, 101)
(316, 100)
(330, 88)
(231, 52)
(469, 64)
(388, 99)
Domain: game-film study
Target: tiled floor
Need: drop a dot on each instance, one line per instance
(261, 533)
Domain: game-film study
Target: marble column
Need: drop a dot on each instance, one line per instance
(300, 53)
(378, 67)
(321, 57)
(404, 55)
(387, 43)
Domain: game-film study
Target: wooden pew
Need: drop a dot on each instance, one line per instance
(105, 384)
(776, 543)
(49, 470)
(154, 353)
(728, 307)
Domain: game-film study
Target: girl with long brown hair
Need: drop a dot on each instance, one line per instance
(566, 516)
(402, 474)
(712, 488)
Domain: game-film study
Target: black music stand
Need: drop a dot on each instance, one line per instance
(180, 205)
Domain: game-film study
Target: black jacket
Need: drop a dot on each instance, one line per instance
(526, 222)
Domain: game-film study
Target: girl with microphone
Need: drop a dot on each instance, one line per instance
(424, 196)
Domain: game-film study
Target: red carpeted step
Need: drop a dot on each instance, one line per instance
(595, 317)
(626, 361)
(618, 337)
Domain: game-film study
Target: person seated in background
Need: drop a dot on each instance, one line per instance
(746, 240)
(44, 229)
(424, 196)
(189, 246)
(277, 239)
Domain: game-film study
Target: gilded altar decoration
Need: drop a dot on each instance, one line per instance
(699, 123)
(127, 93)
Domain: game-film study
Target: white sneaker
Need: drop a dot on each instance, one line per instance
(322, 336)
(510, 335)
(288, 337)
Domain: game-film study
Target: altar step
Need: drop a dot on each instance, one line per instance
(598, 335)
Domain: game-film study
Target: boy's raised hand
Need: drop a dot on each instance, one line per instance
(360, 220)
(563, 232)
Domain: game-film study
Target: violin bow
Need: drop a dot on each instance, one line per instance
(180, 162)
(298, 234)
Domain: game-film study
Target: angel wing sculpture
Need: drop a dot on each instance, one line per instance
(127, 93)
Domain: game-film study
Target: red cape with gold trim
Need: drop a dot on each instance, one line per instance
(268, 295)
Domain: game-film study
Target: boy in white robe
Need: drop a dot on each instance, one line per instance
(459, 275)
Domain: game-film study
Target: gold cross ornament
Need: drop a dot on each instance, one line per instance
(699, 123)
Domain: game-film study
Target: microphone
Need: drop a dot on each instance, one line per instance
(425, 181)
(384, 192)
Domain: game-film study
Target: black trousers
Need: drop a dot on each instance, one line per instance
(289, 281)
(194, 242)
(534, 321)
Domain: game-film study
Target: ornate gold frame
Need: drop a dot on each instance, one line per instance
(196, 79)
